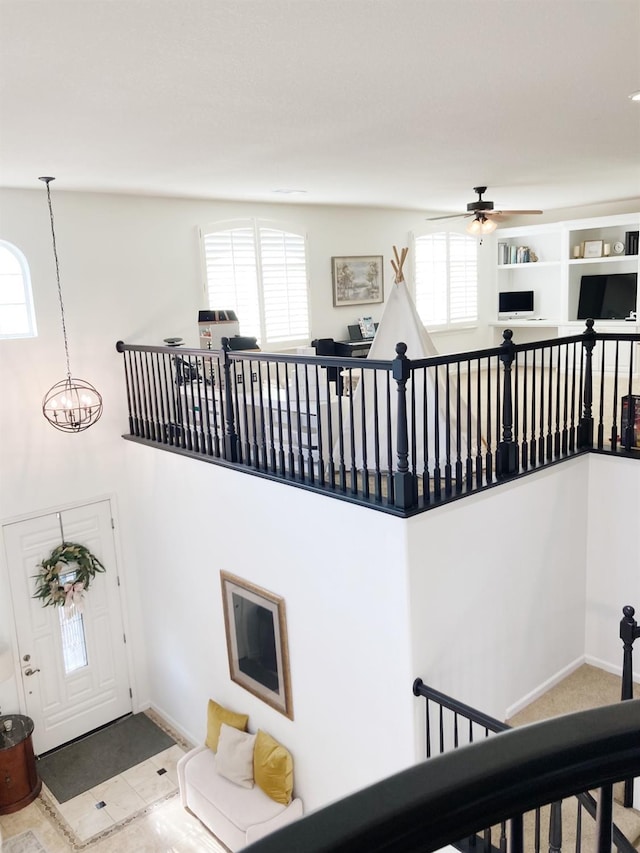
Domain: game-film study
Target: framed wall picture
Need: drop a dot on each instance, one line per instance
(256, 629)
(357, 279)
(592, 249)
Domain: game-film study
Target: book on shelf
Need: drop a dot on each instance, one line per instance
(631, 243)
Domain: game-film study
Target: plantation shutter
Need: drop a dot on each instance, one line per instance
(463, 279)
(261, 273)
(284, 286)
(446, 280)
(232, 275)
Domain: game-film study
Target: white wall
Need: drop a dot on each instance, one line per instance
(342, 572)
(613, 576)
(498, 588)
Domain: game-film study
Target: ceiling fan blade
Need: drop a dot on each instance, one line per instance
(512, 212)
(449, 216)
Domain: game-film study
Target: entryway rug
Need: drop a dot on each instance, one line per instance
(26, 842)
(74, 769)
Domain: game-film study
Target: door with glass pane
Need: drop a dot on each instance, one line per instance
(74, 664)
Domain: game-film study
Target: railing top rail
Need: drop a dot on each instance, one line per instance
(491, 723)
(461, 792)
(379, 364)
(257, 356)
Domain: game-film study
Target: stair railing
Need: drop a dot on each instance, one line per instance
(629, 632)
(434, 803)
(457, 724)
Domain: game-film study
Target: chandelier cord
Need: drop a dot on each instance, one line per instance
(55, 255)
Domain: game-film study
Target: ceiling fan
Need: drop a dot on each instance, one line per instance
(484, 215)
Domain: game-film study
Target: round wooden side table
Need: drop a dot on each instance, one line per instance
(19, 780)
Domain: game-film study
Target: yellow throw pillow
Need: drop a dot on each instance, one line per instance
(216, 716)
(273, 768)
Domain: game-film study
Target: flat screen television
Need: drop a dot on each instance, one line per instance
(515, 303)
(607, 297)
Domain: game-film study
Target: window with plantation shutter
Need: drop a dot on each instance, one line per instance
(17, 317)
(446, 278)
(260, 272)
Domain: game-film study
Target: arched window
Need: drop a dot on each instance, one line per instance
(17, 317)
(259, 271)
(446, 278)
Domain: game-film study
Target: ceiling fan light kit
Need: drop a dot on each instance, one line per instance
(484, 214)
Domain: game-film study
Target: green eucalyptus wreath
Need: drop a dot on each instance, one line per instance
(65, 558)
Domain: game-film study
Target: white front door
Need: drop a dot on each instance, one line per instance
(74, 671)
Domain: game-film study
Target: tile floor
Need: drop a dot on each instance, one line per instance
(166, 828)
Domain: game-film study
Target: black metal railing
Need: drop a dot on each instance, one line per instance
(399, 435)
(487, 783)
(629, 633)
(450, 724)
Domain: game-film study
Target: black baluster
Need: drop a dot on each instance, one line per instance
(629, 437)
(604, 820)
(437, 474)
(404, 480)
(376, 439)
(614, 425)
(507, 456)
(572, 426)
(555, 828)
(541, 436)
(549, 441)
(447, 431)
(363, 421)
(556, 438)
(585, 427)
(534, 387)
(458, 432)
(469, 459)
(600, 442)
(230, 435)
(525, 425)
(157, 378)
(629, 632)
(479, 424)
(565, 433)
(426, 484)
(125, 361)
(489, 453)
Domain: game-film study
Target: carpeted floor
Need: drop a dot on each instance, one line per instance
(74, 769)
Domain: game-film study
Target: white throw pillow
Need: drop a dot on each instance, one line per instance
(234, 758)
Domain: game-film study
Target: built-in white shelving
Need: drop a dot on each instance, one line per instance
(556, 274)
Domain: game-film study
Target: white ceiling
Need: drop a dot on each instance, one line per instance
(398, 103)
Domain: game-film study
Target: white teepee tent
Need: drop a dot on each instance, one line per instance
(401, 323)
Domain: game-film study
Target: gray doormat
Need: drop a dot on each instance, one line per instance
(26, 842)
(79, 766)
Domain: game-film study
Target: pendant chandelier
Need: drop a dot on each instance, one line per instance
(71, 405)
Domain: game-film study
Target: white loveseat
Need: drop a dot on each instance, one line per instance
(237, 816)
(239, 785)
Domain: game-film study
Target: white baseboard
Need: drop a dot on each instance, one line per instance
(609, 667)
(168, 719)
(542, 688)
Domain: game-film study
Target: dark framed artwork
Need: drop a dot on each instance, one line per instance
(357, 279)
(256, 629)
